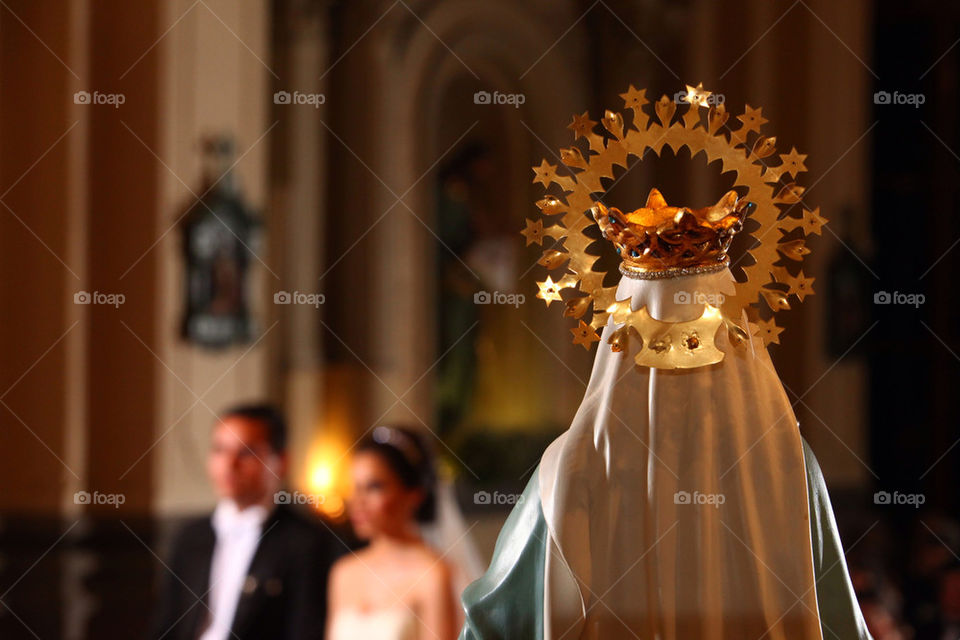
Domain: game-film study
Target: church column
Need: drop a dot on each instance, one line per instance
(299, 170)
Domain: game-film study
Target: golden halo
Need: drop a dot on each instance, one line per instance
(770, 281)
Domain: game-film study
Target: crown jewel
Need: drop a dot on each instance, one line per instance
(658, 237)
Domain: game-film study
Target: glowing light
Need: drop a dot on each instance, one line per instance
(325, 476)
(321, 476)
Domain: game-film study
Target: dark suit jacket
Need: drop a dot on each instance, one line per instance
(284, 596)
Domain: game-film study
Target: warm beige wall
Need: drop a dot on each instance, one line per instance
(214, 77)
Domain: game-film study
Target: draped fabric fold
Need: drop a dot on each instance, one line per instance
(508, 602)
(677, 499)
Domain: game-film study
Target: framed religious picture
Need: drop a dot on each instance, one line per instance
(220, 236)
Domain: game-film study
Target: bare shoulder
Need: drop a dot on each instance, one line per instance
(346, 569)
(436, 572)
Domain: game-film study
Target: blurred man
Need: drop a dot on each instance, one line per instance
(255, 569)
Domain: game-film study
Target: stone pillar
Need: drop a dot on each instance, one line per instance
(300, 195)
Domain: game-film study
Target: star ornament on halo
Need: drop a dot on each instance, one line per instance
(768, 331)
(812, 221)
(545, 173)
(582, 125)
(549, 291)
(801, 286)
(634, 98)
(752, 119)
(533, 232)
(584, 335)
(793, 162)
(697, 95)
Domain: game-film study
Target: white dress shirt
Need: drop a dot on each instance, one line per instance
(238, 534)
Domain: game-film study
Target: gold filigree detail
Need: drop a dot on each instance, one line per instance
(658, 237)
(770, 282)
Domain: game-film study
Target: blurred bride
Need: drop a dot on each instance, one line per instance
(398, 587)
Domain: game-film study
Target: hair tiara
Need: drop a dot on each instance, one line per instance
(400, 441)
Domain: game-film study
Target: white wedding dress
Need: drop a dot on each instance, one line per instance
(394, 623)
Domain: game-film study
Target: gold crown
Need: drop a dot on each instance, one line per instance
(661, 238)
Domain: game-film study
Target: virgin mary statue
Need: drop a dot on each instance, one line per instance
(682, 503)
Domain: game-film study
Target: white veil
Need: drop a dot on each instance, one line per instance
(676, 503)
(449, 535)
